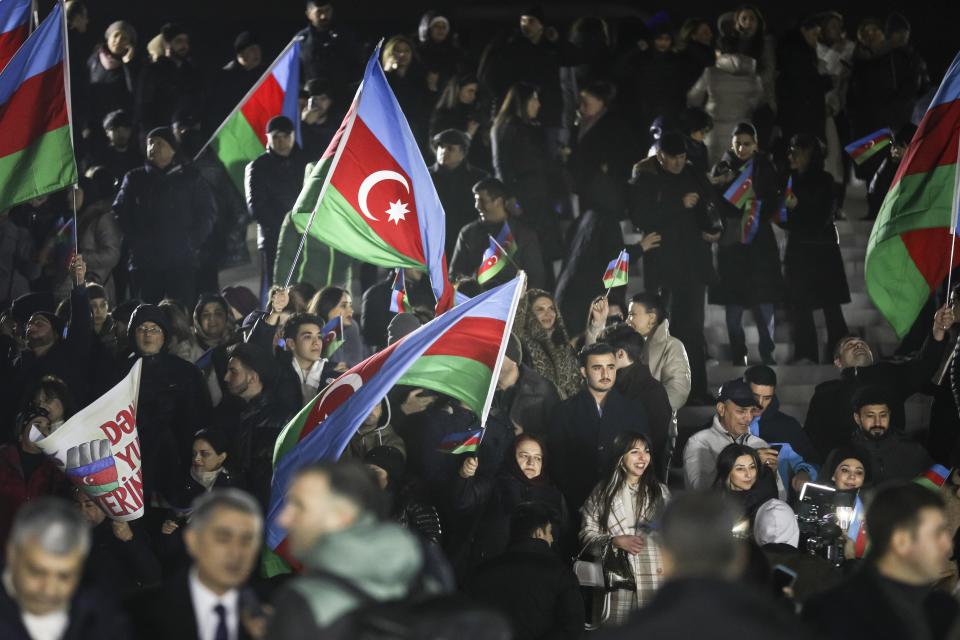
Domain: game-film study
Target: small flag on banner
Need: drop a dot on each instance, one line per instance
(465, 442)
(494, 259)
(740, 192)
(399, 302)
(750, 222)
(934, 477)
(332, 336)
(782, 213)
(617, 272)
(866, 147)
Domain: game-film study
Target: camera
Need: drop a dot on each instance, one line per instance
(823, 515)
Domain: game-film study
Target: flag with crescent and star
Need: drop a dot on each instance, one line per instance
(371, 194)
(331, 336)
(458, 353)
(494, 258)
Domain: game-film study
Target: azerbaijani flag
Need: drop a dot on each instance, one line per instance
(934, 477)
(908, 254)
(465, 442)
(399, 302)
(782, 212)
(14, 27)
(93, 471)
(618, 271)
(371, 196)
(458, 353)
(242, 137)
(493, 262)
(36, 149)
(869, 145)
(750, 222)
(740, 190)
(857, 532)
(331, 336)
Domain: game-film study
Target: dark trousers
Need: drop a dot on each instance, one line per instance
(805, 342)
(268, 256)
(686, 324)
(763, 317)
(153, 285)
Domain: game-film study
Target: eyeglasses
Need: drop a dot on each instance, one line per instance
(147, 330)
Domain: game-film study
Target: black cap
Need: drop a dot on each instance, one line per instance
(534, 10)
(243, 40)
(452, 136)
(283, 124)
(148, 313)
(256, 357)
(897, 22)
(845, 452)
(738, 392)
(672, 143)
(317, 87)
(117, 118)
(171, 30)
(165, 134)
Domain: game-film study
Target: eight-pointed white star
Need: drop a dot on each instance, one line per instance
(397, 211)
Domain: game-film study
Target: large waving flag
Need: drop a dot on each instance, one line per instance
(908, 254)
(243, 135)
(458, 353)
(371, 196)
(36, 148)
(14, 27)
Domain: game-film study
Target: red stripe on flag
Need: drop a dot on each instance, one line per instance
(937, 137)
(474, 338)
(934, 477)
(11, 41)
(930, 251)
(265, 103)
(364, 156)
(37, 106)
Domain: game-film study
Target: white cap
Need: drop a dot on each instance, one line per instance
(775, 523)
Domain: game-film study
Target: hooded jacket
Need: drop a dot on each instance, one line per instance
(381, 434)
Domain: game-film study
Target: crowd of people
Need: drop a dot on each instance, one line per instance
(584, 507)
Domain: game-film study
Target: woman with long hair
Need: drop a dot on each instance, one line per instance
(53, 396)
(523, 161)
(330, 302)
(740, 474)
(617, 517)
(546, 345)
(649, 315)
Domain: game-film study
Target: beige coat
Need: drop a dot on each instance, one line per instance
(667, 359)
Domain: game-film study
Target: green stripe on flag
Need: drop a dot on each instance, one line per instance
(45, 166)
(340, 226)
(894, 283)
(465, 379)
(237, 145)
(918, 201)
(290, 435)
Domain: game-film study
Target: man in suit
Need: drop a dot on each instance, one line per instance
(40, 596)
(223, 541)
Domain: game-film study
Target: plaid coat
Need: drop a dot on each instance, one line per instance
(647, 566)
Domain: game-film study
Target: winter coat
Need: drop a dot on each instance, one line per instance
(729, 92)
(111, 89)
(414, 100)
(892, 456)
(369, 437)
(272, 183)
(17, 266)
(228, 238)
(667, 360)
(595, 240)
(455, 190)
(380, 559)
(549, 354)
(702, 449)
(165, 215)
(534, 588)
(332, 54)
(813, 263)
(474, 240)
(228, 87)
(493, 499)
(166, 89)
(801, 105)
(121, 568)
(656, 205)
(830, 421)
(883, 89)
(16, 490)
(581, 444)
(636, 383)
(605, 147)
(749, 274)
(530, 402)
(867, 606)
(443, 58)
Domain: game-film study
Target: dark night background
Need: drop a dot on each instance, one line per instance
(214, 23)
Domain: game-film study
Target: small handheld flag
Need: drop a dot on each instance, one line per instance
(617, 272)
(495, 257)
(934, 477)
(750, 222)
(740, 191)
(332, 336)
(782, 213)
(868, 146)
(465, 442)
(399, 302)
(856, 532)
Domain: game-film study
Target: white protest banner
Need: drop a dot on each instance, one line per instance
(99, 449)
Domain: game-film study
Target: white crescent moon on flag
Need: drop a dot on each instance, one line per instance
(370, 181)
(352, 379)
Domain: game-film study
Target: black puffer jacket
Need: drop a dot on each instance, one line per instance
(166, 215)
(272, 183)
